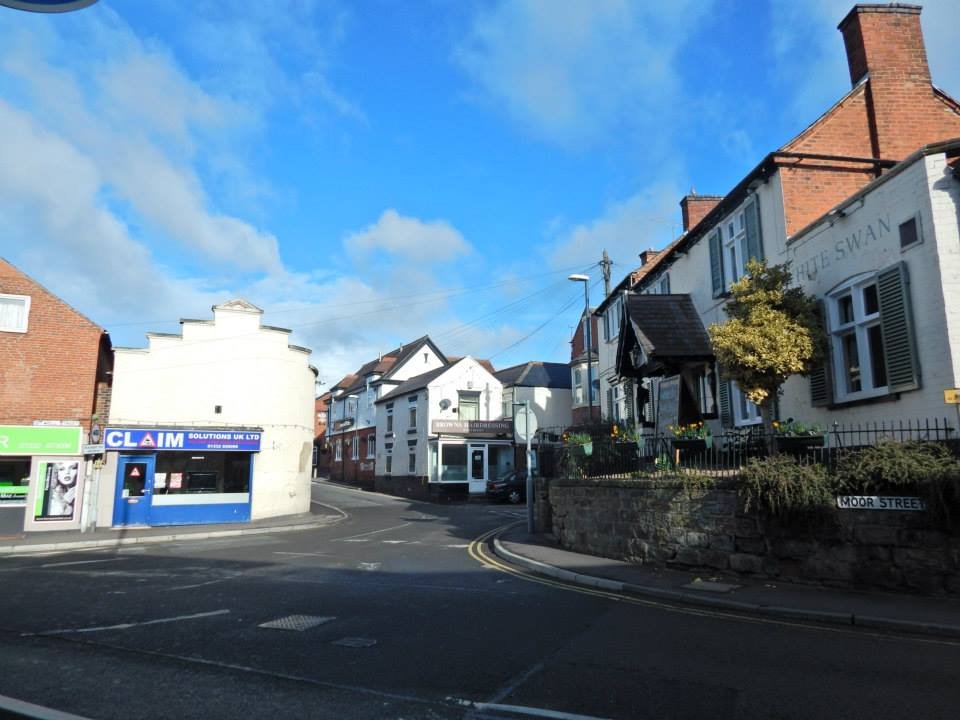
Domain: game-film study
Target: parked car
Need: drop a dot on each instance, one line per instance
(511, 487)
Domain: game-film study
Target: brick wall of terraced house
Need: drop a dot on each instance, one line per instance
(662, 523)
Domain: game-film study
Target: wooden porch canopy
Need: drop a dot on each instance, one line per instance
(659, 335)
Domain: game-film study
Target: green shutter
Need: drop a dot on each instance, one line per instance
(751, 218)
(628, 400)
(716, 263)
(821, 379)
(726, 411)
(896, 325)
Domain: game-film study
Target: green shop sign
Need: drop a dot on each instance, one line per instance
(39, 440)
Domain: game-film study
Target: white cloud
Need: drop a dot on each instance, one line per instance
(107, 125)
(647, 219)
(577, 70)
(408, 238)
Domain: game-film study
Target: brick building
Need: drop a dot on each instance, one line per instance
(321, 448)
(864, 205)
(581, 402)
(55, 371)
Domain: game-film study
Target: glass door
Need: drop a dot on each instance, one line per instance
(477, 468)
(131, 505)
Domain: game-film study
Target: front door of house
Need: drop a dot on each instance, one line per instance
(131, 504)
(477, 468)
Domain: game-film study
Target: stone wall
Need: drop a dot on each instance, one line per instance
(661, 522)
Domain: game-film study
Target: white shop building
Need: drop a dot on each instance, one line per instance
(442, 431)
(212, 425)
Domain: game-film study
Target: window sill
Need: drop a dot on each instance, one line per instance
(864, 400)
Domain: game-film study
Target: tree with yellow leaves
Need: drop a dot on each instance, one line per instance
(773, 330)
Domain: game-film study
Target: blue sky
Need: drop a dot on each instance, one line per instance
(369, 172)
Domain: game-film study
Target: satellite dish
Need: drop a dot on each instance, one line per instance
(444, 404)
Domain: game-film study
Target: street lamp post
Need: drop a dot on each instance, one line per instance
(529, 479)
(585, 279)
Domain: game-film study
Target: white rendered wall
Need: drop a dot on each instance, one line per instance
(256, 378)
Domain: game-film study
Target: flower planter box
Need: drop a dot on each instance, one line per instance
(799, 443)
(692, 444)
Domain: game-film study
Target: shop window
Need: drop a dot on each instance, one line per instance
(14, 480)
(14, 313)
(469, 405)
(179, 473)
(453, 463)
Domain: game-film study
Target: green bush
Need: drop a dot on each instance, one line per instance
(781, 486)
(925, 468)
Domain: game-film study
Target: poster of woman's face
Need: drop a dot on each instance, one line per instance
(59, 494)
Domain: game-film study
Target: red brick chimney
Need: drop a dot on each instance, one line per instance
(885, 43)
(695, 208)
(648, 255)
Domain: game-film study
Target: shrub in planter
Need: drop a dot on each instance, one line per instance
(782, 487)
(925, 468)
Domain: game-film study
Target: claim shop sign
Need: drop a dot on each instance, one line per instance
(168, 439)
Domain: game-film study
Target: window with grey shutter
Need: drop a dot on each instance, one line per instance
(609, 403)
(628, 400)
(716, 263)
(896, 324)
(821, 379)
(751, 219)
(723, 396)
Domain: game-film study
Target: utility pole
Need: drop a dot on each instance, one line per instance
(605, 266)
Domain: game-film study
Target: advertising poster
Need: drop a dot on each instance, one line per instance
(159, 481)
(176, 481)
(57, 495)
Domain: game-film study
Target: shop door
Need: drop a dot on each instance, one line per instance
(131, 506)
(477, 468)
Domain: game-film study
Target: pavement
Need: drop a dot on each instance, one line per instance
(99, 538)
(542, 555)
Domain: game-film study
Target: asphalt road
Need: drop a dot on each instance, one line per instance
(410, 625)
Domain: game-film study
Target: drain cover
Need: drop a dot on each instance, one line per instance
(299, 623)
(355, 642)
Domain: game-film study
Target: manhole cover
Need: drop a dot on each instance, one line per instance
(355, 642)
(298, 623)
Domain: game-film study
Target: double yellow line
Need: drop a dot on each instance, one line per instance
(478, 550)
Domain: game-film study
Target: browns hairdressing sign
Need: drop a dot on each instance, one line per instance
(471, 427)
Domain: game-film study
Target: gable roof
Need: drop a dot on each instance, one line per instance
(536, 374)
(667, 327)
(8, 269)
(386, 364)
(417, 382)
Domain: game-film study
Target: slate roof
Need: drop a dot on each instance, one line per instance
(536, 374)
(382, 365)
(668, 326)
(417, 382)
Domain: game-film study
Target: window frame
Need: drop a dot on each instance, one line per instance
(739, 404)
(860, 327)
(371, 446)
(733, 238)
(337, 450)
(355, 447)
(25, 326)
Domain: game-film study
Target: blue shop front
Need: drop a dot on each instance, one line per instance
(181, 476)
